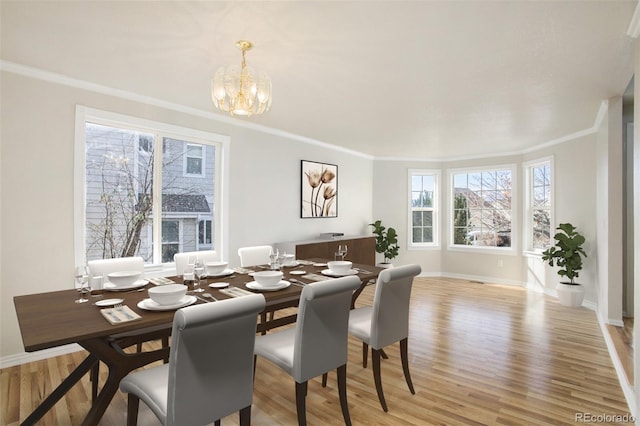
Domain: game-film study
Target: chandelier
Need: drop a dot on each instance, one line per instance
(241, 91)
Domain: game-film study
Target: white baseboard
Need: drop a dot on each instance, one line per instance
(627, 388)
(481, 279)
(26, 357)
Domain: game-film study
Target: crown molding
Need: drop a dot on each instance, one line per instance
(40, 74)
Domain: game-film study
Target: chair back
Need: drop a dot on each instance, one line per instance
(182, 259)
(211, 360)
(322, 327)
(103, 267)
(390, 315)
(256, 255)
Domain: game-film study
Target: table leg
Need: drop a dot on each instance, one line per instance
(62, 389)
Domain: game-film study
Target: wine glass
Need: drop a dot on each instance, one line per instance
(342, 249)
(82, 278)
(273, 257)
(198, 270)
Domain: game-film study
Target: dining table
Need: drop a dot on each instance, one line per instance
(52, 319)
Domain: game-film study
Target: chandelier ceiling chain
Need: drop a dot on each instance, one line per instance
(241, 91)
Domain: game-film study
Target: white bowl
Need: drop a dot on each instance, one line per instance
(216, 267)
(268, 278)
(169, 294)
(124, 278)
(340, 266)
(288, 259)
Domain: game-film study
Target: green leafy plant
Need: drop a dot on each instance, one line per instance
(567, 253)
(386, 241)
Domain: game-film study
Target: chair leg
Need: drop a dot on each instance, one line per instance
(365, 354)
(216, 423)
(404, 355)
(133, 403)
(342, 391)
(301, 395)
(375, 359)
(245, 416)
(324, 380)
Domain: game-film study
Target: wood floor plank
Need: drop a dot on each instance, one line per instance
(480, 354)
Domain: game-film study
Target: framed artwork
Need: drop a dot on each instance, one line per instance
(319, 195)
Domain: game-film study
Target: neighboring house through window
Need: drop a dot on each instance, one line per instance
(482, 202)
(140, 188)
(423, 208)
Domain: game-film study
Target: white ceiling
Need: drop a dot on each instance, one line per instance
(424, 79)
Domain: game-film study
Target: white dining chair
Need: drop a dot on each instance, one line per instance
(210, 369)
(182, 259)
(318, 342)
(255, 255)
(386, 322)
(103, 267)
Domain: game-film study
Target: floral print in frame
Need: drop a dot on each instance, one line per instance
(319, 190)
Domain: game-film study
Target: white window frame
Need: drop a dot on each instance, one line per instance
(527, 220)
(185, 168)
(221, 181)
(437, 174)
(509, 251)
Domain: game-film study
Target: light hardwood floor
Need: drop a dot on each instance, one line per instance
(479, 354)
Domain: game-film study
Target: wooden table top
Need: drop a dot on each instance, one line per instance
(53, 319)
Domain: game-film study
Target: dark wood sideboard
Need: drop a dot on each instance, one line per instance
(361, 249)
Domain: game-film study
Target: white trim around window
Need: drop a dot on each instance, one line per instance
(423, 199)
(528, 207)
(514, 234)
(222, 143)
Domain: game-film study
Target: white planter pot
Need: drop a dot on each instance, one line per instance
(384, 265)
(570, 294)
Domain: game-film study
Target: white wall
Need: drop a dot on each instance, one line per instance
(575, 202)
(36, 223)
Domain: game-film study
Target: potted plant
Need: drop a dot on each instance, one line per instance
(386, 242)
(567, 255)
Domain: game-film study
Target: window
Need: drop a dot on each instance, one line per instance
(539, 205)
(423, 208)
(204, 233)
(194, 160)
(170, 239)
(132, 194)
(482, 208)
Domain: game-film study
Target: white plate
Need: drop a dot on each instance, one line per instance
(298, 272)
(330, 273)
(150, 305)
(319, 264)
(112, 287)
(108, 302)
(219, 285)
(221, 274)
(291, 265)
(255, 286)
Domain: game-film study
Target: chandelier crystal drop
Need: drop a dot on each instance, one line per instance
(241, 91)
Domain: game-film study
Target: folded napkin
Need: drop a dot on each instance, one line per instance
(161, 281)
(235, 291)
(305, 262)
(316, 277)
(243, 270)
(119, 315)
